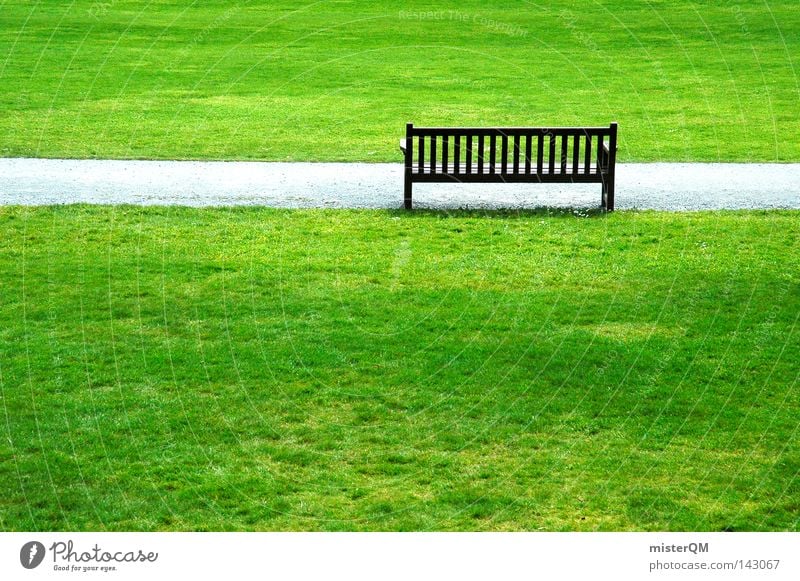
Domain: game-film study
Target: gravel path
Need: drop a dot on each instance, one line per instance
(662, 186)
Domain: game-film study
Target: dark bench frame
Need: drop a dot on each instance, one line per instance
(526, 154)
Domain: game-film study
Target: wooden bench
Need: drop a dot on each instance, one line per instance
(511, 155)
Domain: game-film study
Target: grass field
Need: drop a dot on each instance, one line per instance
(245, 369)
(711, 81)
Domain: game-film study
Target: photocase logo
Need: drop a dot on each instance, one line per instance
(31, 554)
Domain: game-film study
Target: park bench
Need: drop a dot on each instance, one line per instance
(511, 155)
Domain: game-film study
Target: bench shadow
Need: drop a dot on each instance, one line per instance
(503, 213)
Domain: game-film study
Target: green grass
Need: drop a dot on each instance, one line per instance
(181, 369)
(699, 81)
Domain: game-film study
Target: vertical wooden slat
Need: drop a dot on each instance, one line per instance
(492, 152)
(481, 146)
(456, 154)
(540, 154)
(516, 154)
(601, 158)
(551, 162)
(504, 160)
(445, 152)
(433, 154)
(587, 155)
(564, 147)
(468, 161)
(576, 144)
(599, 153)
(421, 154)
(528, 139)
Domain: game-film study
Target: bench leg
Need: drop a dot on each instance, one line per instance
(407, 192)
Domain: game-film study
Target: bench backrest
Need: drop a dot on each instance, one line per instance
(513, 153)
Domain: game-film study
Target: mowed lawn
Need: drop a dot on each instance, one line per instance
(181, 369)
(279, 80)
